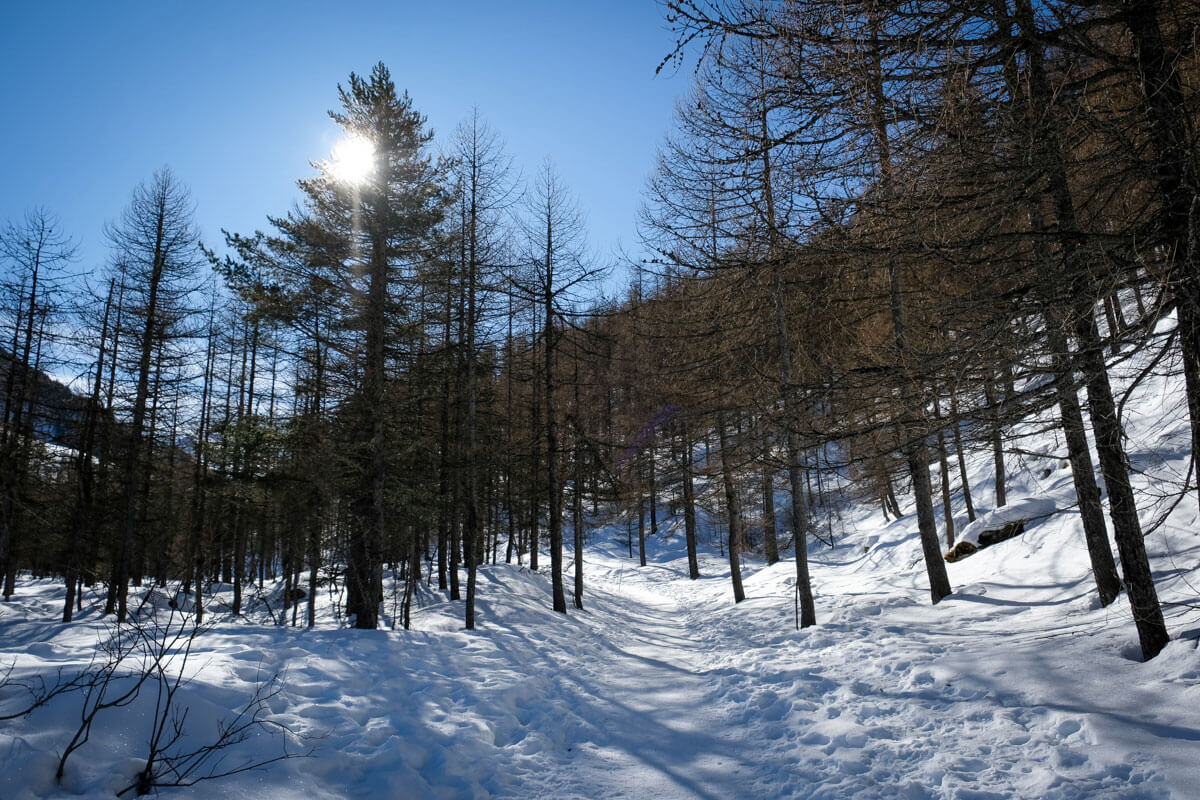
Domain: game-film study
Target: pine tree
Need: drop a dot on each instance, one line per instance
(370, 224)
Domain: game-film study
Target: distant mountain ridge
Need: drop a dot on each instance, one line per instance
(58, 412)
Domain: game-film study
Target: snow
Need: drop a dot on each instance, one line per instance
(1017, 685)
(1030, 508)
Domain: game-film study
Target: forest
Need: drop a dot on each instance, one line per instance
(885, 233)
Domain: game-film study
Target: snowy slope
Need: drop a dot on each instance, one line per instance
(1017, 686)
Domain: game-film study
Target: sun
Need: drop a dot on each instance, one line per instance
(353, 160)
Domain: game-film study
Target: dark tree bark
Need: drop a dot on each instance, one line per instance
(199, 471)
(535, 424)
(1122, 509)
(552, 481)
(733, 507)
(917, 457)
(770, 542)
(577, 506)
(910, 425)
(31, 252)
(1159, 73)
(689, 501)
(1104, 569)
(83, 521)
(553, 233)
(444, 455)
(944, 468)
(641, 513)
(996, 436)
(962, 460)
(1106, 424)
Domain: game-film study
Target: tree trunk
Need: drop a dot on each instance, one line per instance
(473, 531)
(577, 509)
(1106, 424)
(916, 455)
(653, 484)
(911, 420)
(509, 420)
(770, 542)
(1122, 509)
(1159, 72)
(641, 504)
(944, 466)
(552, 483)
(734, 507)
(962, 460)
(889, 497)
(16, 427)
(689, 503)
(535, 423)
(795, 454)
(918, 467)
(411, 579)
(130, 475)
(84, 522)
(997, 440)
(1104, 569)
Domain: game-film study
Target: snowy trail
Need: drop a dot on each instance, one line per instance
(663, 688)
(985, 696)
(612, 702)
(628, 710)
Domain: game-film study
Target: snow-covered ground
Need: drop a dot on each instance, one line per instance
(1017, 685)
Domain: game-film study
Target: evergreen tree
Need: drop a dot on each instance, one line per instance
(370, 223)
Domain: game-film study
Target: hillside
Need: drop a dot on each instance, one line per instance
(1018, 685)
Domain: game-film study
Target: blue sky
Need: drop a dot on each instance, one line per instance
(233, 96)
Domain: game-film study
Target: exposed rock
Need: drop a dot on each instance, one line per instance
(996, 526)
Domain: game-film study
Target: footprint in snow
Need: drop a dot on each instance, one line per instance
(923, 678)
(1068, 728)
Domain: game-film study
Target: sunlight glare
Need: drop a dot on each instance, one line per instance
(353, 160)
